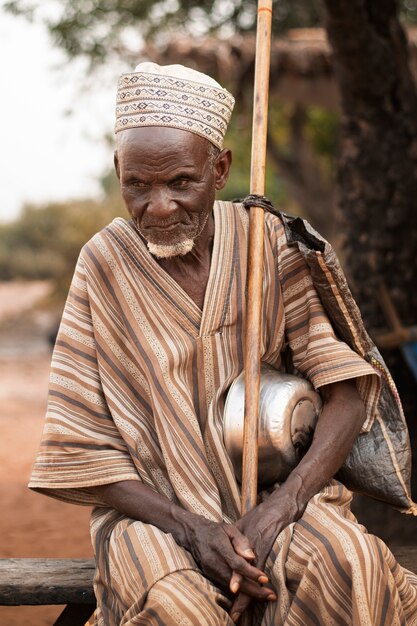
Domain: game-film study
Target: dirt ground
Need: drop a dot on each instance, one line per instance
(31, 525)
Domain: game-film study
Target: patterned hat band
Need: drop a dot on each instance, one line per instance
(148, 99)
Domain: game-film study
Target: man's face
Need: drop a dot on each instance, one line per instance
(168, 179)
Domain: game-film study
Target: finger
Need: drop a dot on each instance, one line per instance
(242, 547)
(240, 542)
(245, 569)
(235, 582)
(239, 606)
(257, 592)
(235, 562)
(242, 602)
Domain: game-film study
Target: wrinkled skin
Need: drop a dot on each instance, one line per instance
(168, 181)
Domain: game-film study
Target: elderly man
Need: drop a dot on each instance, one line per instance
(150, 341)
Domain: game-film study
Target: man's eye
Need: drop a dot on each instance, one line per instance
(180, 183)
(140, 184)
(136, 183)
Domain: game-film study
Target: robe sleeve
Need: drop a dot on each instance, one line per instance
(316, 351)
(81, 446)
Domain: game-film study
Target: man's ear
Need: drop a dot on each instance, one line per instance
(116, 164)
(222, 167)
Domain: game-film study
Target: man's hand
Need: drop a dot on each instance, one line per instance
(338, 425)
(224, 555)
(221, 550)
(262, 526)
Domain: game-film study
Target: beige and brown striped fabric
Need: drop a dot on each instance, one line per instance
(140, 373)
(331, 572)
(326, 569)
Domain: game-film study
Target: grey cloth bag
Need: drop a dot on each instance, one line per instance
(379, 464)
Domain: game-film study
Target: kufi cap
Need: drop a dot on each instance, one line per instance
(174, 96)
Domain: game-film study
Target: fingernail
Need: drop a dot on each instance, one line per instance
(263, 579)
(250, 554)
(272, 597)
(235, 617)
(234, 588)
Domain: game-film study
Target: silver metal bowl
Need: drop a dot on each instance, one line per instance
(289, 408)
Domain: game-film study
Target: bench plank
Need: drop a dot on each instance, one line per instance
(70, 581)
(46, 581)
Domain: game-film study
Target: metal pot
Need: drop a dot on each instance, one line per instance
(288, 411)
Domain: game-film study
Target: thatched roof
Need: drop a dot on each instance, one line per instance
(301, 63)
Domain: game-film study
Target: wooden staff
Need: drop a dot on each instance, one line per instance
(255, 261)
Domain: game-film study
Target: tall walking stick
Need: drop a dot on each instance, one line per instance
(255, 267)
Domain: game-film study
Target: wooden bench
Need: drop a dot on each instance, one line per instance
(70, 582)
(50, 581)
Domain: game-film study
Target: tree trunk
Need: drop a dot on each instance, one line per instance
(377, 174)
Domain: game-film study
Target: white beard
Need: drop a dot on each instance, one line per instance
(168, 251)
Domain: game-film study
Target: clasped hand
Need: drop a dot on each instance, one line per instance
(261, 526)
(234, 555)
(226, 557)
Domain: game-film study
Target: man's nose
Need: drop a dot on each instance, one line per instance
(160, 204)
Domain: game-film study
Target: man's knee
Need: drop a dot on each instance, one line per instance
(186, 597)
(342, 550)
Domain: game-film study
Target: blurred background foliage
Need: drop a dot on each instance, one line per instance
(45, 241)
(102, 29)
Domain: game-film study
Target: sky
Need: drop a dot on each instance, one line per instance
(51, 129)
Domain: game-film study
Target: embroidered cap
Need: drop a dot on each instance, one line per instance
(175, 96)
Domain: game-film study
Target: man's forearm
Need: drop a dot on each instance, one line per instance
(339, 424)
(218, 548)
(139, 502)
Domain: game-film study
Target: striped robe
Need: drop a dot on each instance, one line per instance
(137, 390)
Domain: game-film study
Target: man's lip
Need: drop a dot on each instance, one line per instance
(163, 229)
